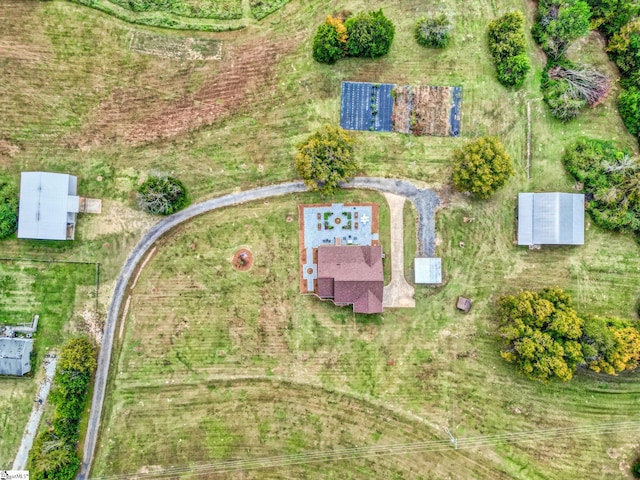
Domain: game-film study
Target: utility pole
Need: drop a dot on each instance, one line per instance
(453, 440)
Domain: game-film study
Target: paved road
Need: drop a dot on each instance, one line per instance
(424, 200)
(398, 294)
(20, 462)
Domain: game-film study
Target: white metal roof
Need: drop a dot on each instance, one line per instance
(15, 356)
(550, 218)
(428, 270)
(48, 202)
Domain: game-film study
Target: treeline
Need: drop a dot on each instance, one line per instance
(569, 87)
(546, 338)
(53, 455)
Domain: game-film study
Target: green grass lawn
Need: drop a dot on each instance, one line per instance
(59, 293)
(73, 93)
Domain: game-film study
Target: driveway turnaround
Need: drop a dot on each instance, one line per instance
(425, 201)
(398, 294)
(20, 462)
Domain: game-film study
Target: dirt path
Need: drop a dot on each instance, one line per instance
(398, 294)
(425, 201)
(20, 462)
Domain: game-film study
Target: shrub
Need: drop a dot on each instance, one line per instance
(8, 207)
(326, 158)
(330, 42)
(507, 47)
(635, 467)
(162, 195)
(629, 108)
(369, 34)
(624, 47)
(610, 345)
(481, 167)
(433, 32)
(568, 88)
(611, 179)
(558, 22)
(609, 16)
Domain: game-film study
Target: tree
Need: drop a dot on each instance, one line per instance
(8, 207)
(624, 47)
(481, 167)
(330, 41)
(433, 32)
(369, 34)
(78, 355)
(609, 16)
(541, 333)
(558, 23)
(326, 158)
(629, 108)
(610, 345)
(162, 195)
(507, 46)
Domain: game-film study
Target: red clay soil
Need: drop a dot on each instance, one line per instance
(139, 116)
(242, 264)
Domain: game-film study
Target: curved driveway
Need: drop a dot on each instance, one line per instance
(425, 201)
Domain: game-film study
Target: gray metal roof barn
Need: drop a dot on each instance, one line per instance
(48, 206)
(15, 356)
(550, 219)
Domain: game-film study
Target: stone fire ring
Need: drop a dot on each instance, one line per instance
(242, 260)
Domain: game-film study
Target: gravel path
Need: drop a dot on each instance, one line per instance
(20, 462)
(424, 200)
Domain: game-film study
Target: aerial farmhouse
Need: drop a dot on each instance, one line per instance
(550, 219)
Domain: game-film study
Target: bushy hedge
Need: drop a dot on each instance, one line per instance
(8, 207)
(507, 44)
(558, 22)
(368, 34)
(53, 455)
(629, 108)
(434, 32)
(611, 179)
(162, 195)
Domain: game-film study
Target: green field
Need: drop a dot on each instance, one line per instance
(218, 365)
(63, 295)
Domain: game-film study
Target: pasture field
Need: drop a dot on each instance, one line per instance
(271, 372)
(64, 297)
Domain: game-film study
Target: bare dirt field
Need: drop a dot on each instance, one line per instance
(422, 110)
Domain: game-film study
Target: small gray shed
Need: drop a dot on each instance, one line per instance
(48, 206)
(550, 219)
(15, 356)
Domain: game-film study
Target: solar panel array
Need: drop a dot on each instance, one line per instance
(366, 106)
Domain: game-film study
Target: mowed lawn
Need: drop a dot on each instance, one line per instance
(59, 293)
(222, 365)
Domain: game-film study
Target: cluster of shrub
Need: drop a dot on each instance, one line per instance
(53, 455)
(568, 87)
(546, 338)
(162, 195)
(8, 207)
(611, 179)
(367, 34)
(433, 32)
(507, 45)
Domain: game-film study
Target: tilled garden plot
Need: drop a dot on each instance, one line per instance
(423, 110)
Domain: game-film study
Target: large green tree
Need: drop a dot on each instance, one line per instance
(507, 44)
(610, 16)
(330, 41)
(326, 158)
(541, 334)
(610, 345)
(559, 22)
(625, 48)
(370, 34)
(162, 195)
(481, 167)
